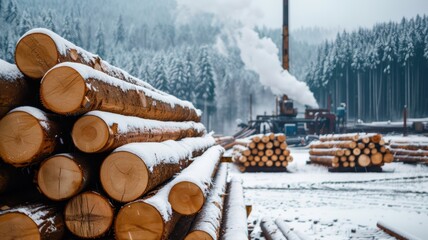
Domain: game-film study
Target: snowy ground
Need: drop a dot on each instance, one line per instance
(332, 206)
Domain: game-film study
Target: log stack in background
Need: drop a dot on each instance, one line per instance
(409, 150)
(112, 156)
(262, 152)
(350, 150)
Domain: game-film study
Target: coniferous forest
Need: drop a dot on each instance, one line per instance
(375, 71)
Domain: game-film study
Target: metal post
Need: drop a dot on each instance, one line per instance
(285, 41)
(405, 120)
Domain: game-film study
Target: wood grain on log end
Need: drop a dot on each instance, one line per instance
(17, 225)
(198, 235)
(89, 215)
(35, 54)
(90, 134)
(186, 198)
(139, 220)
(63, 90)
(124, 176)
(60, 177)
(21, 138)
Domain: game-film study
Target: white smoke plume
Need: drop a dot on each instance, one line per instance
(258, 54)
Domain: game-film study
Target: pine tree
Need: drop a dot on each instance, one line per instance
(100, 41)
(205, 87)
(189, 73)
(11, 12)
(48, 21)
(25, 23)
(180, 84)
(159, 76)
(119, 35)
(67, 31)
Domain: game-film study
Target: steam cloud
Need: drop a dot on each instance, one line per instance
(258, 54)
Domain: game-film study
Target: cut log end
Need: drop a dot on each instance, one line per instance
(124, 176)
(18, 226)
(364, 160)
(90, 134)
(89, 215)
(21, 137)
(186, 198)
(35, 54)
(198, 235)
(59, 178)
(63, 90)
(131, 224)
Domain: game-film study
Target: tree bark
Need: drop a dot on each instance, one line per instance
(102, 131)
(33, 221)
(73, 89)
(14, 88)
(208, 221)
(30, 129)
(270, 230)
(191, 186)
(143, 166)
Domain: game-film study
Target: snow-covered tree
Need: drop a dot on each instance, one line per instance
(25, 24)
(119, 35)
(205, 83)
(180, 82)
(100, 41)
(160, 80)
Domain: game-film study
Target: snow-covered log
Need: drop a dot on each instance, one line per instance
(286, 230)
(329, 161)
(406, 152)
(27, 135)
(235, 214)
(327, 152)
(191, 186)
(136, 168)
(334, 144)
(207, 223)
(395, 232)
(270, 230)
(410, 159)
(63, 176)
(40, 49)
(89, 215)
(32, 221)
(148, 218)
(72, 89)
(14, 88)
(100, 131)
(340, 137)
(410, 146)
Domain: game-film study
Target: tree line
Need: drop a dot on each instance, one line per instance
(376, 71)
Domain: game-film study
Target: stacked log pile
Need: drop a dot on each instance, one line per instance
(110, 156)
(350, 151)
(262, 151)
(409, 151)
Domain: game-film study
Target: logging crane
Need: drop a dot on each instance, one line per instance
(286, 120)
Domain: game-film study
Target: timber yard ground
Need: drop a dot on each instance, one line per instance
(332, 206)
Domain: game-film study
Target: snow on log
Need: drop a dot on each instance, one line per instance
(286, 230)
(62, 176)
(333, 144)
(89, 215)
(406, 152)
(327, 152)
(235, 215)
(410, 159)
(395, 232)
(14, 88)
(40, 49)
(270, 230)
(340, 137)
(207, 223)
(410, 146)
(148, 218)
(73, 89)
(136, 168)
(100, 131)
(191, 186)
(27, 135)
(33, 221)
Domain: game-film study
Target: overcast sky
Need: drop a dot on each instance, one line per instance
(347, 14)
